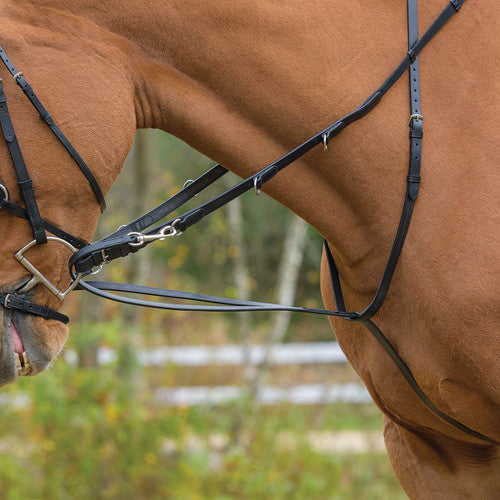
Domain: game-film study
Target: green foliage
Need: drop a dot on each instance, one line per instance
(97, 433)
(93, 434)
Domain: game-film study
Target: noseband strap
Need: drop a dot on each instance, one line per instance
(13, 301)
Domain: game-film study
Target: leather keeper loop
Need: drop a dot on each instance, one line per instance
(413, 178)
(25, 184)
(45, 115)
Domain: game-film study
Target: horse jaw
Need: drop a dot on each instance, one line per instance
(35, 342)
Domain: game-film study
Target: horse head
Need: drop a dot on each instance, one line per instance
(64, 197)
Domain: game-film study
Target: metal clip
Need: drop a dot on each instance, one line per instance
(165, 232)
(415, 117)
(97, 269)
(18, 75)
(105, 258)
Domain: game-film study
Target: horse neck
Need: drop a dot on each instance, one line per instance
(246, 82)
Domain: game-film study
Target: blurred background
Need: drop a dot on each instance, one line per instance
(147, 404)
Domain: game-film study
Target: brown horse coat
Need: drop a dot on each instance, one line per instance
(244, 82)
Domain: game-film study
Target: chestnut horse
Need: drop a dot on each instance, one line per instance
(244, 82)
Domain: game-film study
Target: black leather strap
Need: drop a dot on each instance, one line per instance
(45, 115)
(413, 178)
(12, 301)
(92, 256)
(23, 179)
(101, 288)
(413, 181)
(60, 233)
(334, 279)
(118, 243)
(408, 375)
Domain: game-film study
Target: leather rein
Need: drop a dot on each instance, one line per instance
(89, 258)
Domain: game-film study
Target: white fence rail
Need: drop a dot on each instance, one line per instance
(310, 353)
(283, 354)
(305, 394)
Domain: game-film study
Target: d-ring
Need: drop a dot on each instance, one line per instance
(188, 183)
(325, 142)
(5, 192)
(38, 277)
(256, 188)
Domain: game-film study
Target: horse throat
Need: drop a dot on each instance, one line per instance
(242, 89)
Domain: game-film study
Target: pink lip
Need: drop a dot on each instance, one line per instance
(16, 340)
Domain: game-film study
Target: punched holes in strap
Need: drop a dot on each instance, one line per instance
(46, 116)
(416, 134)
(416, 119)
(12, 301)
(23, 179)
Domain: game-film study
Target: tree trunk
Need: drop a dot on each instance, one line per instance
(293, 252)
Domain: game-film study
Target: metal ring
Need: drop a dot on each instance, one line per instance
(188, 183)
(176, 232)
(38, 277)
(255, 186)
(138, 243)
(165, 232)
(5, 192)
(325, 142)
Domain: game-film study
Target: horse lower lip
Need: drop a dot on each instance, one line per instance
(16, 340)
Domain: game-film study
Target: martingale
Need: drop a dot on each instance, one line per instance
(89, 258)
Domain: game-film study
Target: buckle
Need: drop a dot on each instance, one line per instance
(415, 117)
(6, 300)
(105, 258)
